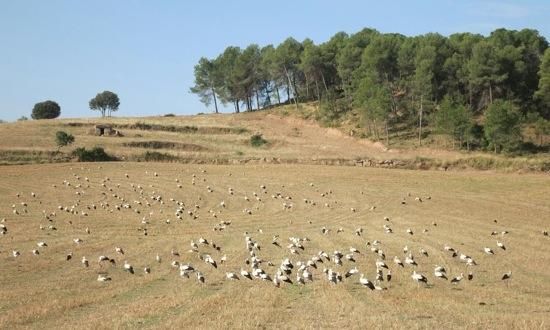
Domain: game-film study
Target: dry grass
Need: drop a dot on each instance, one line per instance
(226, 138)
(46, 291)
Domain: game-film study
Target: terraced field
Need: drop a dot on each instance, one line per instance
(135, 206)
(226, 139)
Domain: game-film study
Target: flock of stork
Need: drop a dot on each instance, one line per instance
(300, 264)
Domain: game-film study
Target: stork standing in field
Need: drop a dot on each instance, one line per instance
(419, 278)
(410, 260)
(246, 274)
(507, 276)
(398, 261)
(200, 277)
(365, 282)
(231, 276)
(103, 278)
(128, 267)
(439, 272)
(457, 279)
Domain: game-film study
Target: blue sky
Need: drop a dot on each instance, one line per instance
(145, 51)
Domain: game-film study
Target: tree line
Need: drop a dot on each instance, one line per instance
(477, 89)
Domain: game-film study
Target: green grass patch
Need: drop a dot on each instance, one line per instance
(257, 140)
(96, 154)
(164, 145)
(155, 156)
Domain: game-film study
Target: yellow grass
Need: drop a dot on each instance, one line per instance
(291, 140)
(46, 291)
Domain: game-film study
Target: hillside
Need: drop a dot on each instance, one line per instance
(225, 138)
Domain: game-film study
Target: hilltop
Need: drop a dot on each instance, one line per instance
(290, 135)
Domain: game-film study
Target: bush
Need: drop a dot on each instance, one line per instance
(97, 154)
(257, 140)
(332, 108)
(154, 156)
(23, 118)
(46, 110)
(63, 139)
(502, 126)
(169, 115)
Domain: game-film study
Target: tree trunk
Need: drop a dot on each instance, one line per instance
(307, 87)
(295, 92)
(387, 133)
(278, 95)
(470, 96)
(420, 122)
(317, 89)
(215, 101)
(257, 101)
(237, 110)
(369, 128)
(288, 93)
(324, 82)
(490, 94)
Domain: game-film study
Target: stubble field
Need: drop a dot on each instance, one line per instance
(457, 209)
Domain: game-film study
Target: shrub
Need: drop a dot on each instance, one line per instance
(63, 139)
(502, 126)
(257, 140)
(97, 154)
(331, 109)
(22, 118)
(169, 115)
(46, 110)
(155, 156)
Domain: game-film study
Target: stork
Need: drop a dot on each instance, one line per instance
(365, 282)
(457, 279)
(419, 278)
(103, 278)
(231, 276)
(128, 267)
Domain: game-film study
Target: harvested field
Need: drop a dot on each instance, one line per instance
(120, 202)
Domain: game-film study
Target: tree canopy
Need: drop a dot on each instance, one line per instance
(105, 102)
(543, 91)
(393, 80)
(46, 110)
(502, 128)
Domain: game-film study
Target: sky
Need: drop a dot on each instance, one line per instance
(145, 51)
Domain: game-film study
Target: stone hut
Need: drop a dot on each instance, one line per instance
(103, 130)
